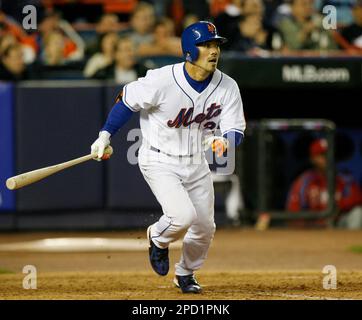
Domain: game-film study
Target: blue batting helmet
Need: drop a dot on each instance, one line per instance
(195, 34)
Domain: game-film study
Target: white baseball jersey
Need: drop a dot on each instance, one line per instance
(175, 118)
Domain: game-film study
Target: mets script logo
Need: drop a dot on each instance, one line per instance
(211, 27)
(185, 117)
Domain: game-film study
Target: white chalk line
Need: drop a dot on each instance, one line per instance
(81, 244)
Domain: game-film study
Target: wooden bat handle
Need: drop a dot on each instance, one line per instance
(30, 177)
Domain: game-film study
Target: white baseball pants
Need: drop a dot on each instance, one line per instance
(184, 189)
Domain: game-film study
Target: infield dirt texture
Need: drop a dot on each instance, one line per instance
(242, 264)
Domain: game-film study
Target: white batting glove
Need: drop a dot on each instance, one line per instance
(100, 144)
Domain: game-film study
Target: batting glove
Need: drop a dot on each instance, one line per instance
(100, 144)
(217, 144)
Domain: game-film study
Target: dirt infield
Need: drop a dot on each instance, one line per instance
(242, 264)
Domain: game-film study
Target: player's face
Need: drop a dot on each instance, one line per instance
(320, 161)
(209, 53)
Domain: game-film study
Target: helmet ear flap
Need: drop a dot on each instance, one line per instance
(192, 55)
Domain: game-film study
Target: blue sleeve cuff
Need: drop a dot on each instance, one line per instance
(118, 116)
(235, 137)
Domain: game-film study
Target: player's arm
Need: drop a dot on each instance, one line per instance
(232, 122)
(118, 116)
(135, 96)
(234, 137)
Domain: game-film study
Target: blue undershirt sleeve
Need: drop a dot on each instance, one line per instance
(235, 138)
(117, 117)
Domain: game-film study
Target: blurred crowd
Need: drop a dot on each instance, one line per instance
(112, 39)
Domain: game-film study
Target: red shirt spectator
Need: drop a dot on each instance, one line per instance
(309, 191)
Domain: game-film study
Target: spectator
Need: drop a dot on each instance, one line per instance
(142, 24)
(309, 191)
(9, 39)
(303, 30)
(6, 41)
(164, 41)
(238, 18)
(257, 7)
(252, 37)
(104, 58)
(11, 31)
(12, 66)
(125, 69)
(227, 21)
(53, 53)
(350, 37)
(107, 23)
(73, 43)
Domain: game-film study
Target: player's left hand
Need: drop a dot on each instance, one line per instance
(99, 146)
(218, 144)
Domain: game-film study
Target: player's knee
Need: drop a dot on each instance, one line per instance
(186, 218)
(203, 233)
(189, 217)
(206, 230)
(209, 229)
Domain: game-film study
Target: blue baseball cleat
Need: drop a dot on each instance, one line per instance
(158, 257)
(187, 284)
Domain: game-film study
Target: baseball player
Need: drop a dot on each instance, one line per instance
(181, 106)
(309, 191)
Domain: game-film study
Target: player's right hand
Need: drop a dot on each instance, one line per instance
(100, 144)
(218, 144)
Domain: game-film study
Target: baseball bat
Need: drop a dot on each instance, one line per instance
(30, 177)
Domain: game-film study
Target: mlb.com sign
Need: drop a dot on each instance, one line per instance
(309, 73)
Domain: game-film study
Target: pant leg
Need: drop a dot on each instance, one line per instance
(198, 238)
(178, 210)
